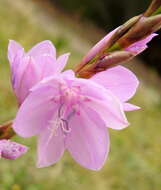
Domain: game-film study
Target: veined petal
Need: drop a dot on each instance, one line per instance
(110, 111)
(35, 112)
(17, 71)
(45, 47)
(119, 80)
(88, 142)
(130, 107)
(104, 102)
(50, 147)
(27, 77)
(91, 88)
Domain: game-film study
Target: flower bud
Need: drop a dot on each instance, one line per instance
(142, 29)
(109, 60)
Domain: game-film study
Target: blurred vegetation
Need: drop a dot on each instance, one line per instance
(109, 14)
(134, 159)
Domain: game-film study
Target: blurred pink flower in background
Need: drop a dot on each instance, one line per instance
(11, 150)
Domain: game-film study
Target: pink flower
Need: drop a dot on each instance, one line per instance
(29, 68)
(70, 113)
(11, 150)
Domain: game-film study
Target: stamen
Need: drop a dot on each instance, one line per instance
(59, 110)
(65, 126)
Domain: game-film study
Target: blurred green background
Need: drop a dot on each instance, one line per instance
(134, 161)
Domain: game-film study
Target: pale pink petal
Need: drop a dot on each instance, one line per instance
(88, 141)
(103, 102)
(28, 78)
(101, 44)
(46, 65)
(35, 112)
(119, 80)
(16, 71)
(91, 88)
(130, 107)
(15, 55)
(51, 82)
(45, 47)
(69, 73)
(61, 62)
(14, 49)
(110, 111)
(50, 147)
(141, 45)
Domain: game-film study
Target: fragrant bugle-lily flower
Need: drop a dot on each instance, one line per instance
(11, 150)
(72, 110)
(66, 112)
(29, 68)
(70, 113)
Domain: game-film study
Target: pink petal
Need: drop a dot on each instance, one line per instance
(130, 107)
(61, 62)
(141, 45)
(17, 71)
(110, 111)
(91, 88)
(103, 102)
(88, 142)
(69, 73)
(45, 47)
(119, 80)
(50, 147)
(27, 77)
(46, 65)
(14, 49)
(101, 44)
(35, 112)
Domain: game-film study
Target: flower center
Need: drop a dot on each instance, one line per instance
(69, 99)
